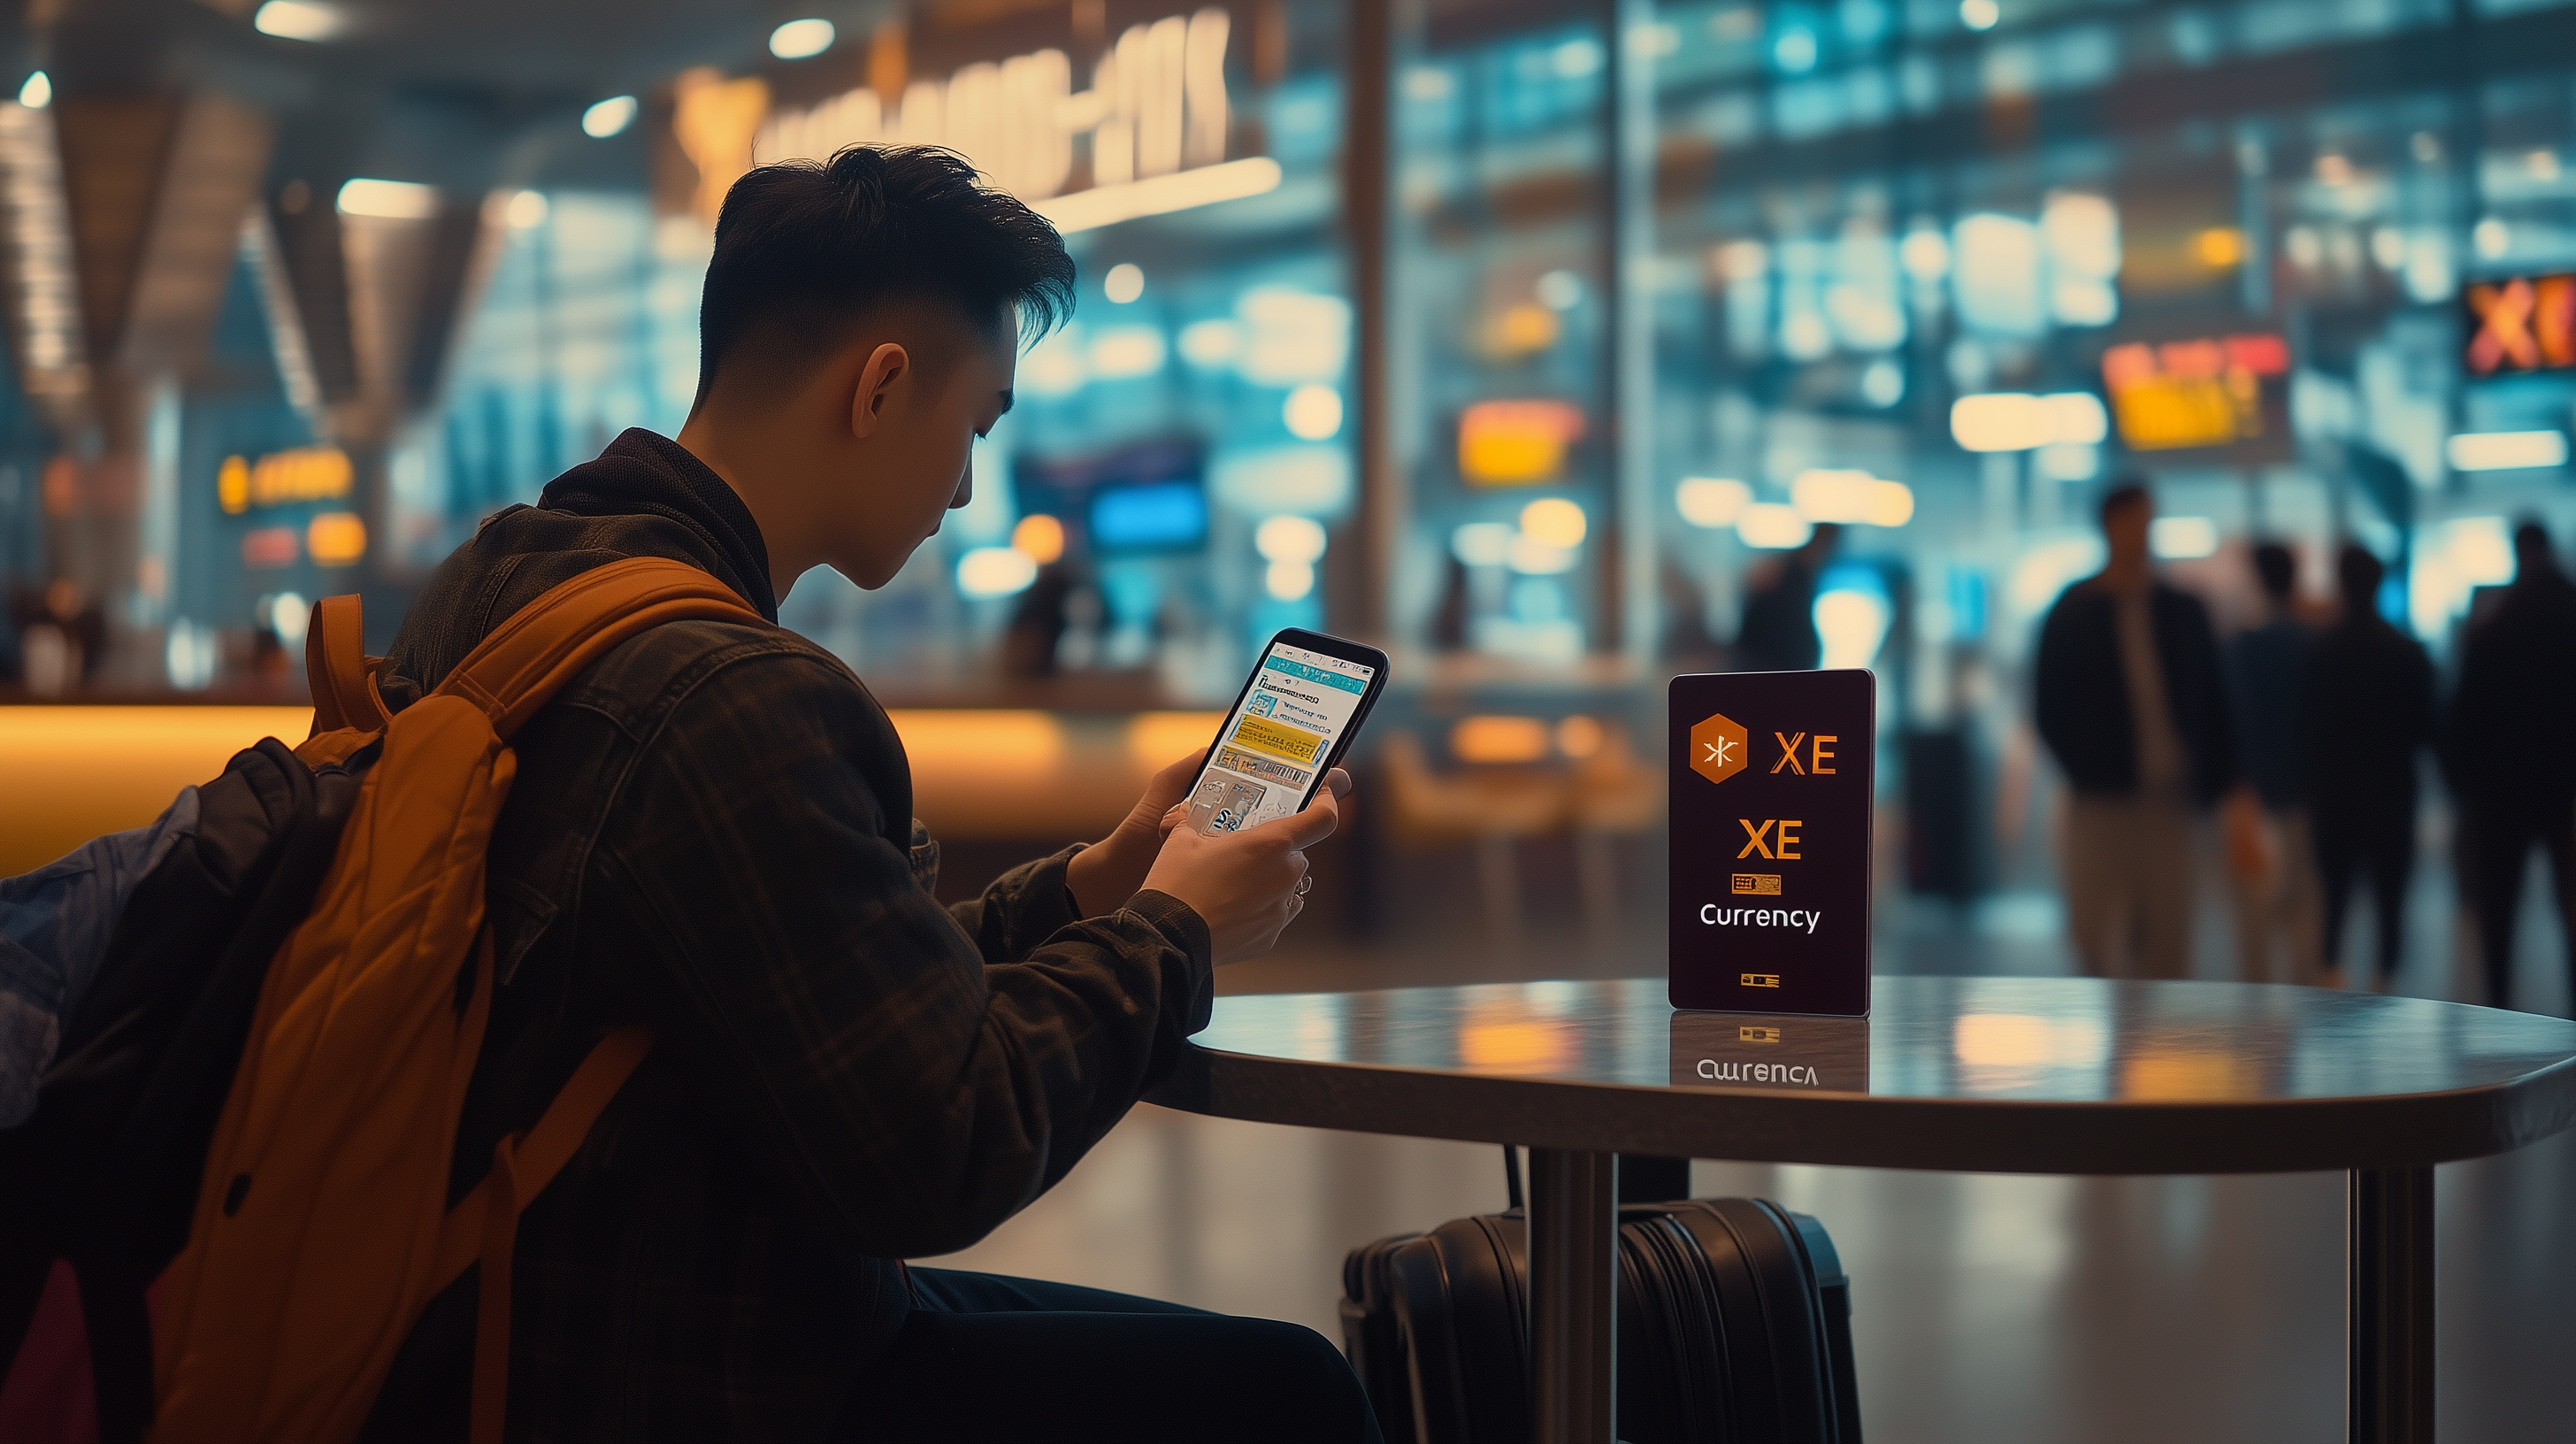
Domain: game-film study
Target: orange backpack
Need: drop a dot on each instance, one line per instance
(321, 1229)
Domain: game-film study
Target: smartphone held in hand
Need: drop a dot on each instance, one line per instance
(1292, 723)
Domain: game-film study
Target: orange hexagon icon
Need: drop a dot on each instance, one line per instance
(1717, 747)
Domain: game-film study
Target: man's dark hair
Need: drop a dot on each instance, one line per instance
(2357, 575)
(805, 248)
(2277, 569)
(2128, 491)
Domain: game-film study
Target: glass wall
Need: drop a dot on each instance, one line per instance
(1928, 272)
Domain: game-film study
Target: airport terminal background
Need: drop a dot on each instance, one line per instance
(1555, 350)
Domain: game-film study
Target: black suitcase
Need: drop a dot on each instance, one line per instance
(1734, 1328)
(1372, 1339)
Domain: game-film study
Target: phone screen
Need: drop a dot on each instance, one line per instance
(1298, 706)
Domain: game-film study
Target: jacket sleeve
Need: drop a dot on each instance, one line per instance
(1020, 909)
(2052, 706)
(909, 1092)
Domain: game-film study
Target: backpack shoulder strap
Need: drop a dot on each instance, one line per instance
(483, 1226)
(548, 642)
(337, 667)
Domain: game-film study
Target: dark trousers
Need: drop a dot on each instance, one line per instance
(2500, 842)
(2377, 846)
(992, 1360)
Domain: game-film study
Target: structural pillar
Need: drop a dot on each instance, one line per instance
(1361, 580)
(123, 246)
(1630, 594)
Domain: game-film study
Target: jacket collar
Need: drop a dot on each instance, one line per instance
(642, 472)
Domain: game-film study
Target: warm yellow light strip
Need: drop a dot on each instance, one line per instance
(68, 774)
(1160, 195)
(1156, 740)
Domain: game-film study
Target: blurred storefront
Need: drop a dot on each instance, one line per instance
(1529, 341)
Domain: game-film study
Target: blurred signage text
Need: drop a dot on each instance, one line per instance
(1516, 443)
(309, 473)
(2202, 392)
(1157, 106)
(2526, 323)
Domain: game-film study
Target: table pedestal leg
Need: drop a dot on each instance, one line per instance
(1574, 1270)
(2388, 1314)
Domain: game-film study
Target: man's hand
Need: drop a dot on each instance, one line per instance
(1104, 875)
(1244, 885)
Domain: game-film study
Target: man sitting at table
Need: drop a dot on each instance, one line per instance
(711, 834)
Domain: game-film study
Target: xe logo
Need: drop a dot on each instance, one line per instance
(2524, 324)
(1717, 747)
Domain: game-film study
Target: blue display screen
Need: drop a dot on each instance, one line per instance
(1156, 516)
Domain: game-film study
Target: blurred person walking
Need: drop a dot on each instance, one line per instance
(2367, 705)
(1779, 629)
(2131, 701)
(2276, 912)
(2504, 749)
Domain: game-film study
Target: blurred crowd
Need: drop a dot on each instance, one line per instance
(2299, 744)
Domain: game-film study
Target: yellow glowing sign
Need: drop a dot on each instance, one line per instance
(336, 538)
(2191, 393)
(2177, 411)
(310, 473)
(1516, 443)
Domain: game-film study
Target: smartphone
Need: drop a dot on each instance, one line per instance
(1292, 723)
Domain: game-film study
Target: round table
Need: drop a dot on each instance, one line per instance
(2006, 1075)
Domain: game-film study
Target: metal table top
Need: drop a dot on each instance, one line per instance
(2031, 1075)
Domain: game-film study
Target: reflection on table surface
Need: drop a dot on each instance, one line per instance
(2017, 1039)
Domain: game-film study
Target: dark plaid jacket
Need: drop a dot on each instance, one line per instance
(711, 833)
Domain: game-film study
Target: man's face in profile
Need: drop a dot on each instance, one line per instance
(920, 461)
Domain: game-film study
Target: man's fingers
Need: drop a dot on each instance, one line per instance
(1339, 782)
(1173, 782)
(1313, 825)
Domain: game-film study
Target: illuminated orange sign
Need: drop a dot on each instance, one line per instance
(2203, 392)
(2524, 324)
(336, 538)
(1516, 443)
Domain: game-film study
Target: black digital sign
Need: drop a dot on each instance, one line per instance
(1770, 855)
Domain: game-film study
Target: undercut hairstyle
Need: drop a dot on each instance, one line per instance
(806, 249)
(2277, 568)
(2128, 493)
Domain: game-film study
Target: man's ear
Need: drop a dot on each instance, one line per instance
(887, 367)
